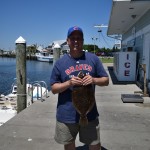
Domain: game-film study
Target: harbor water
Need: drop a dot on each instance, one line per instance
(35, 70)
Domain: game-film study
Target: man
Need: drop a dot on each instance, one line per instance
(63, 78)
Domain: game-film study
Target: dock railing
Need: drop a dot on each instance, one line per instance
(38, 85)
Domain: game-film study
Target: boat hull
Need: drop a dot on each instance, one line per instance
(44, 56)
(45, 59)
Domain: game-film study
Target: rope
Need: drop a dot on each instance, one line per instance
(22, 94)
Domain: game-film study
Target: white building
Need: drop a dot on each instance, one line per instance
(131, 20)
(63, 45)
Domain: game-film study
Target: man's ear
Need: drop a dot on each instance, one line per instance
(67, 40)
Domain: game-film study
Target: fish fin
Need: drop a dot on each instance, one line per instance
(83, 120)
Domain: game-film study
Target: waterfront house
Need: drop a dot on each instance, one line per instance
(64, 48)
(130, 19)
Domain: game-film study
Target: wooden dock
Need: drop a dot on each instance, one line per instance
(123, 126)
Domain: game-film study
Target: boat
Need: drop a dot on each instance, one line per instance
(13, 93)
(36, 90)
(6, 113)
(7, 109)
(8, 102)
(44, 55)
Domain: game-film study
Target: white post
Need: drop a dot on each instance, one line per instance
(56, 53)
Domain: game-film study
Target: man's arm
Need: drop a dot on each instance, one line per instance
(60, 87)
(101, 81)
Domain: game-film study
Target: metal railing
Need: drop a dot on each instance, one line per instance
(39, 86)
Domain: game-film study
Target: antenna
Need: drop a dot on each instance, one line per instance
(101, 26)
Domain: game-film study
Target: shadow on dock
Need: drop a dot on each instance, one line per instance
(85, 147)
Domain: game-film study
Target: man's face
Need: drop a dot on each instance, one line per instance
(75, 41)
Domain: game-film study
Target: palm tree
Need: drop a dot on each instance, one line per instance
(31, 50)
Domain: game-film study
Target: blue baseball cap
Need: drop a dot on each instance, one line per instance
(72, 29)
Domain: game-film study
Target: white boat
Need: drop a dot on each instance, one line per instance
(6, 113)
(35, 91)
(13, 93)
(43, 55)
(7, 109)
(8, 103)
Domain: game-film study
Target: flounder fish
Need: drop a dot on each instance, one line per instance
(83, 99)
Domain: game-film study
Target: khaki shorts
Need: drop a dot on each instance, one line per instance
(66, 133)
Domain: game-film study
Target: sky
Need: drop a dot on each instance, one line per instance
(43, 21)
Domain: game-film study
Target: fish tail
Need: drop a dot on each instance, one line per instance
(83, 120)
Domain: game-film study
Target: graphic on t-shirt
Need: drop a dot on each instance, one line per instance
(78, 67)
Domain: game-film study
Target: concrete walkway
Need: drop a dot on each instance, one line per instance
(124, 126)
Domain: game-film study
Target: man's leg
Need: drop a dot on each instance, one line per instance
(70, 146)
(95, 147)
(66, 134)
(90, 135)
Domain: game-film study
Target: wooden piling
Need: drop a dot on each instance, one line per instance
(21, 73)
(56, 53)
